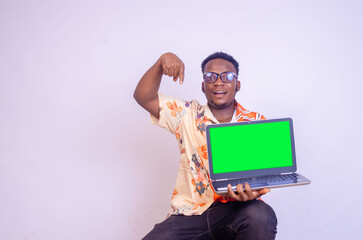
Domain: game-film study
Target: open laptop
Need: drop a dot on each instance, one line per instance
(261, 153)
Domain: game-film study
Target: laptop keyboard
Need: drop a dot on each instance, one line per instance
(257, 181)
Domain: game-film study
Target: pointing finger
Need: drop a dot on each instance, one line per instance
(181, 74)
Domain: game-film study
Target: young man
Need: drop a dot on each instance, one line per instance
(197, 211)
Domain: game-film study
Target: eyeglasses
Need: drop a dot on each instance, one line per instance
(226, 77)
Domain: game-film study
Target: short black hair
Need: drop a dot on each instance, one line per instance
(221, 55)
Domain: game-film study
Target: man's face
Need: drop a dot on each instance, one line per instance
(219, 94)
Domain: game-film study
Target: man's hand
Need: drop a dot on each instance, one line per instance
(172, 66)
(247, 194)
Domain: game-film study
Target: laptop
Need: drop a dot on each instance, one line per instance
(261, 153)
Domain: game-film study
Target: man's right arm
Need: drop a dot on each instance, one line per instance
(146, 92)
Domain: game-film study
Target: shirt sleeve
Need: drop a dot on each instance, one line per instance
(171, 112)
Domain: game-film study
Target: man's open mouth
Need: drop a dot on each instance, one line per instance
(219, 92)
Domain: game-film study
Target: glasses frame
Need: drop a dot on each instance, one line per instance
(220, 76)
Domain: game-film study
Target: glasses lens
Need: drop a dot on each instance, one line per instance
(210, 77)
(227, 76)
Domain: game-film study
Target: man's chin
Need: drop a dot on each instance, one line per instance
(220, 105)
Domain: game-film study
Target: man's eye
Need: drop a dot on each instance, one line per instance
(229, 76)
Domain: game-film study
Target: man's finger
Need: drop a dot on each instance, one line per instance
(241, 193)
(176, 74)
(165, 69)
(231, 194)
(264, 191)
(171, 72)
(181, 74)
(168, 70)
(248, 191)
(257, 194)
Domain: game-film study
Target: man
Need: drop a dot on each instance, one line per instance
(197, 211)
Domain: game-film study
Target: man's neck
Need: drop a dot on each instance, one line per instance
(223, 115)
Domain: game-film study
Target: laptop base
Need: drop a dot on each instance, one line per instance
(258, 183)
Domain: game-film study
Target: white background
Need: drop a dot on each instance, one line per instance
(79, 159)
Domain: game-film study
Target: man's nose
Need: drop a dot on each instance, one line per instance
(219, 80)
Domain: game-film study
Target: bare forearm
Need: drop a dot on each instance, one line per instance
(146, 92)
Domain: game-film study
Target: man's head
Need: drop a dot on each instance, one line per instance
(221, 55)
(220, 74)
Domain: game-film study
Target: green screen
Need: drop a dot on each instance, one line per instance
(251, 147)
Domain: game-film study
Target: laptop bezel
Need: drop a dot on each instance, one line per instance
(251, 173)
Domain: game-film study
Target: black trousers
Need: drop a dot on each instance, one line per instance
(252, 220)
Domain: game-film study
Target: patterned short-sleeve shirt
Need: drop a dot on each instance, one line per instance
(187, 120)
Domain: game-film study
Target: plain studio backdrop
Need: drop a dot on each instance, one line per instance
(79, 159)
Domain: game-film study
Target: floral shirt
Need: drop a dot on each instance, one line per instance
(193, 193)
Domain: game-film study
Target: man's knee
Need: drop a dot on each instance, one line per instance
(260, 213)
(252, 220)
(256, 220)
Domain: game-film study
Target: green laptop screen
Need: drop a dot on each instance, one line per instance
(251, 147)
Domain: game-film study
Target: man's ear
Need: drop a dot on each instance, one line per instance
(203, 90)
(238, 86)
